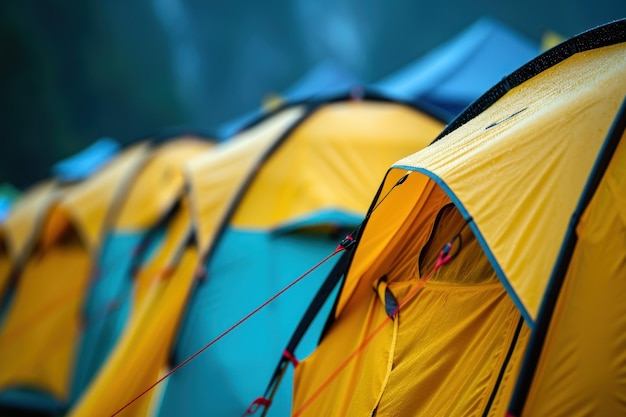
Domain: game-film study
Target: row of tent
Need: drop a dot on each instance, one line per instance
(483, 277)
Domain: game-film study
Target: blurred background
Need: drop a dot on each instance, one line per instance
(73, 71)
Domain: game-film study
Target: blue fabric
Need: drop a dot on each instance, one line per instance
(247, 269)
(453, 75)
(83, 164)
(108, 304)
(327, 77)
(5, 207)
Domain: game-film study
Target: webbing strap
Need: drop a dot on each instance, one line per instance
(331, 281)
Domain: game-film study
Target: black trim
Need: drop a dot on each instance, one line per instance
(365, 93)
(544, 318)
(315, 306)
(605, 35)
(331, 281)
(239, 196)
(357, 237)
(139, 257)
(507, 359)
(312, 105)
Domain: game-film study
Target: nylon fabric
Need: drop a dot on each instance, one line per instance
(42, 330)
(160, 266)
(21, 227)
(461, 322)
(148, 337)
(357, 388)
(393, 216)
(341, 140)
(582, 368)
(105, 309)
(216, 177)
(6, 265)
(92, 204)
(232, 372)
(38, 337)
(496, 157)
(159, 183)
(148, 194)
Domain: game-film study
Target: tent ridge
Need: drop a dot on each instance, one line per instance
(479, 236)
(557, 277)
(247, 182)
(609, 34)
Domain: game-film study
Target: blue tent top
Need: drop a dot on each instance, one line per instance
(8, 196)
(5, 207)
(327, 77)
(86, 162)
(459, 71)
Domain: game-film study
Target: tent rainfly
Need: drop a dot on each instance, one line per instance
(489, 276)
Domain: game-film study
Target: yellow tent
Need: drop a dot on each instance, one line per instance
(52, 342)
(282, 180)
(489, 275)
(19, 230)
(156, 214)
(39, 334)
(266, 207)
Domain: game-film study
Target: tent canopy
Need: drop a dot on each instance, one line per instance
(532, 168)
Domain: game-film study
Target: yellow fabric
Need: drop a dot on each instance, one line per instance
(57, 223)
(216, 177)
(394, 209)
(334, 159)
(21, 227)
(158, 184)
(92, 202)
(6, 264)
(163, 263)
(582, 369)
(520, 166)
(142, 353)
(451, 339)
(37, 340)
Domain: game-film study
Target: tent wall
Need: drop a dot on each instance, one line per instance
(268, 208)
(516, 164)
(147, 339)
(369, 363)
(531, 153)
(136, 233)
(585, 342)
(39, 337)
(18, 233)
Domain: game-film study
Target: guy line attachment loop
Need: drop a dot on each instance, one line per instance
(256, 404)
(445, 256)
(347, 243)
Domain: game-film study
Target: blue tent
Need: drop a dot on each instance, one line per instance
(459, 71)
(327, 77)
(86, 162)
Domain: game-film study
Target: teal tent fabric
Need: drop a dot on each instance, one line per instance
(247, 268)
(456, 73)
(83, 164)
(110, 300)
